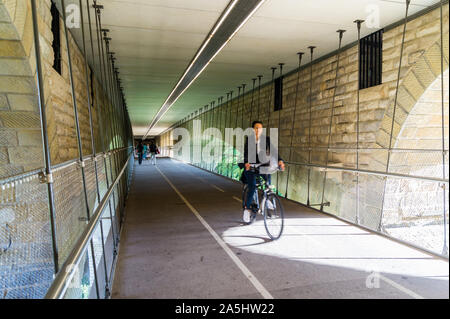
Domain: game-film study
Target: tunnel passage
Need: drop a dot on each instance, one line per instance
(359, 114)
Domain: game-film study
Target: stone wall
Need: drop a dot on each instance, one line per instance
(20, 143)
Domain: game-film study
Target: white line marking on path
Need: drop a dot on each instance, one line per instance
(218, 188)
(401, 288)
(263, 291)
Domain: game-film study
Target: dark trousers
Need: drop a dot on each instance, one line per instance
(140, 157)
(252, 195)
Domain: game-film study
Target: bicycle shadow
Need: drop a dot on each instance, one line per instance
(265, 240)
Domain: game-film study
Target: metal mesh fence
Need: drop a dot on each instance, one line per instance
(413, 212)
(26, 264)
(70, 208)
(102, 182)
(90, 172)
(416, 163)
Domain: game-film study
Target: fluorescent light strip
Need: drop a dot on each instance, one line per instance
(225, 43)
(205, 43)
(166, 106)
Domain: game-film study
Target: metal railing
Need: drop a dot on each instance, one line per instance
(64, 278)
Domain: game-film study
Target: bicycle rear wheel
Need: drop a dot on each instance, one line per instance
(273, 216)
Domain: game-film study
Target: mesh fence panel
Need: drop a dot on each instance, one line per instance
(371, 190)
(70, 208)
(413, 212)
(91, 184)
(417, 163)
(102, 182)
(26, 256)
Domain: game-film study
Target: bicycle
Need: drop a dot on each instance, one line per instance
(271, 207)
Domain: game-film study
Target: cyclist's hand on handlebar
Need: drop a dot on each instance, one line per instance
(247, 166)
(281, 165)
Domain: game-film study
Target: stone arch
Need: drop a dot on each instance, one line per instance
(20, 134)
(413, 209)
(425, 70)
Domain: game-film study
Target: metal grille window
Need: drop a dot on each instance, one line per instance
(56, 44)
(278, 101)
(370, 59)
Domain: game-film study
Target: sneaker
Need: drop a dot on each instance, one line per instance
(246, 217)
(270, 205)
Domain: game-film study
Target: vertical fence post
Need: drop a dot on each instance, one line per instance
(91, 126)
(279, 117)
(44, 135)
(269, 105)
(380, 226)
(236, 125)
(243, 105)
(330, 127)
(259, 97)
(107, 146)
(225, 109)
(75, 111)
(444, 248)
(300, 55)
(205, 126)
(251, 103)
(358, 24)
(231, 122)
(114, 133)
(211, 123)
(311, 49)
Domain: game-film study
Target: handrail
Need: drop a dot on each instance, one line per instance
(55, 167)
(369, 172)
(62, 279)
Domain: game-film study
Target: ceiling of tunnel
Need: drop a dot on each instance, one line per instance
(155, 40)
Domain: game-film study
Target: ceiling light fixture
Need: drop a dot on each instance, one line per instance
(166, 105)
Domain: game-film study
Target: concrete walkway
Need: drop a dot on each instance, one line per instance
(183, 238)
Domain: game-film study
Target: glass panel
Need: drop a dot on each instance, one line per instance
(340, 193)
(99, 261)
(82, 285)
(298, 181)
(109, 243)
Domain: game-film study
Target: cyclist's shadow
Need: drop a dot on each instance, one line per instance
(265, 240)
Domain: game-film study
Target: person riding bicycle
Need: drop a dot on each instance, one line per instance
(262, 158)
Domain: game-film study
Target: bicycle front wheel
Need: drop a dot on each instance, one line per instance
(273, 216)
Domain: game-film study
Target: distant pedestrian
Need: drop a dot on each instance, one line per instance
(140, 151)
(153, 151)
(144, 152)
